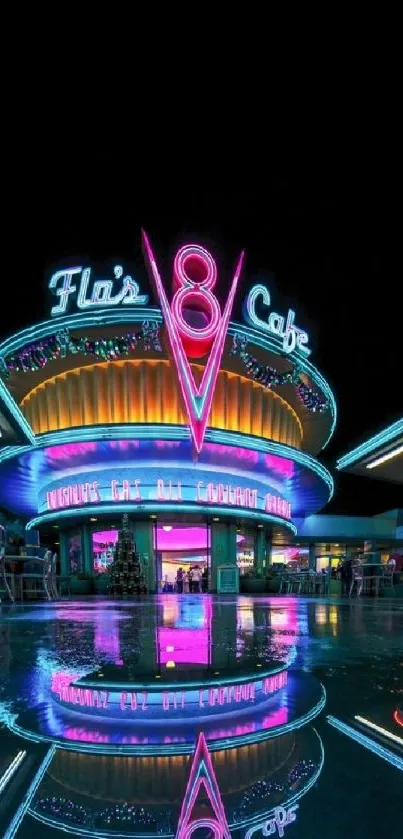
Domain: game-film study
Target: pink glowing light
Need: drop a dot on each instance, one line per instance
(190, 646)
(197, 398)
(202, 774)
(282, 465)
(104, 537)
(398, 717)
(69, 450)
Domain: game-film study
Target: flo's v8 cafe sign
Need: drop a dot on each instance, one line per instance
(78, 284)
(283, 327)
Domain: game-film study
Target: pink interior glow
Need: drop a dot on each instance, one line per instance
(183, 646)
(101, 537)
(184, 538)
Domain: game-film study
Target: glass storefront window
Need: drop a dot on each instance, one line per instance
(75, 552)
(245, 549)
(329, 556)
(290, 556)
(103, 549)
(182, 553)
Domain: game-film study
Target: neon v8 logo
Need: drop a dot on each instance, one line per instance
(195, 275)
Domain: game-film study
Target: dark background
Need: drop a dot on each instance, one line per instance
(323, 238)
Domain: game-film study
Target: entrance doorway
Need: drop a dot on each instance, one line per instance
(183, 556)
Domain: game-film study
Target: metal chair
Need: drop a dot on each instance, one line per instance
(6, 577)
(57, 582)
(296, 583)
(308, 582)
(41, 575)
(286, 582)
(357, 577)
(387, 580)
(53, 575)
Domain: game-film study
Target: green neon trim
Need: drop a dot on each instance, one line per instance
(152, 506)
(77, 321)
(369, 446)
(152, 687)
(174, 748)
(274, 345)
(11, 407)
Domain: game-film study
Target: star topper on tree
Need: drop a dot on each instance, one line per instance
(195, 275)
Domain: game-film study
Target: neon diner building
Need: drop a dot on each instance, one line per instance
(157, 403)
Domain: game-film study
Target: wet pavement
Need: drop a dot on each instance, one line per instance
(272, 746)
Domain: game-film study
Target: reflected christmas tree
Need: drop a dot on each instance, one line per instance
(126, 575)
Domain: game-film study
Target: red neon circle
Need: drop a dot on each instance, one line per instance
(196, 341)
(200, 263)
(398, 717)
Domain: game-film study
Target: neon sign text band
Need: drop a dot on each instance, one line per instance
(231, 495)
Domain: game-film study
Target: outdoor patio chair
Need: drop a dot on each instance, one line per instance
(387, 581)
(37, 575)
(7, 580)
(296, 583)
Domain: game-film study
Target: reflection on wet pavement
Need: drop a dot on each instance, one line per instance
(124, 689)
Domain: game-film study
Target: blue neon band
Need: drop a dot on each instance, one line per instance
(152, 506)
(367, 742)
(382, 439)
(93, 433)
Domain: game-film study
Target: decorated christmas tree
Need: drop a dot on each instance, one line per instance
(125, 572)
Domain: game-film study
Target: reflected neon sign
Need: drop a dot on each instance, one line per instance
(281, 818)
(166, 700)
(195, 276)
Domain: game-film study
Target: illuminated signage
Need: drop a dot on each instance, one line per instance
(219, 698)
(61, 284)
(195, 275)
(281, 818)
(202, 778)
(226, 495)
(292, 336)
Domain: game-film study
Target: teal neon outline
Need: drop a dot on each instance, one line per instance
(76, 321)
(24, 806)
(82, 319)
(152, 687)
(151, 506)
(390, 433)
(367, 742)
(14, 410)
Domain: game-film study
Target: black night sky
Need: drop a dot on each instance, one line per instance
(324, 241)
